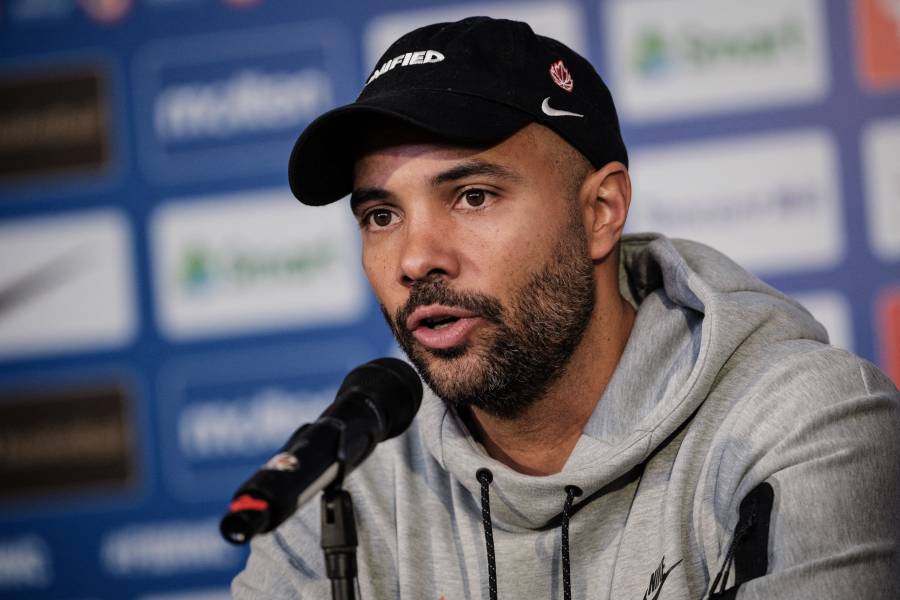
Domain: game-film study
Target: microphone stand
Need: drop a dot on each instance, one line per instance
(339, 540)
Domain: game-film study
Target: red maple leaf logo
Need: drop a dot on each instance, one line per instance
(561, 76)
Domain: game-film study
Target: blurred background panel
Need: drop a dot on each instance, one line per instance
(169, 313)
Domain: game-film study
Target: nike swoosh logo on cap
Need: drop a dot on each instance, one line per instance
(553, 112)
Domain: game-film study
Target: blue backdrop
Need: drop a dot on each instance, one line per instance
(169, 314)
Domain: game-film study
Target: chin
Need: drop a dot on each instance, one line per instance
(451, 373)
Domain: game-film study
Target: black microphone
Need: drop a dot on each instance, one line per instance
(375, 402)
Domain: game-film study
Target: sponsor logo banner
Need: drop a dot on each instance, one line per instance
(832, 310)
(226, 414)
(25, 562)
(770, 202)
(67, 284)
(226, 105)
(693, 57)
(880, 149)
(239, 423)
(53, 123)
(256, 260)
(888, 328)
(563, 21)
(65, 439)
(878, 42)
(167, 548)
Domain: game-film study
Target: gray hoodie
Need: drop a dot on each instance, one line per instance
(733, 452)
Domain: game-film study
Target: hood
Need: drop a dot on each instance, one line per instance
(696, 310)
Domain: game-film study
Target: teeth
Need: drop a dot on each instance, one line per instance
(440, 322)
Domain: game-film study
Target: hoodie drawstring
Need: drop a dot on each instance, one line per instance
(485, 477)
(571, 492)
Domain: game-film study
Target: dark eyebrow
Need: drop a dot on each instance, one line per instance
(475, 167)
(461, 171)
(361, 195)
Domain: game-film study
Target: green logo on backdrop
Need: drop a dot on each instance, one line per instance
(693, 48)
(204, 268)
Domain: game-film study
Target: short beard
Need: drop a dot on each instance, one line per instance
(529, 345)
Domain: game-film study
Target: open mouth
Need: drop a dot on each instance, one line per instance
(442, 327)
(439, 322)
(435, 316)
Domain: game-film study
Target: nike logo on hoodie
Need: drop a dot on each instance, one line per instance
(658, 579)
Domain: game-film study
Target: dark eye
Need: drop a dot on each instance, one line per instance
(378, 218)
(474, 197)
(381, 218)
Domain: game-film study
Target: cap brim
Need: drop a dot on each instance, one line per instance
(320, 170)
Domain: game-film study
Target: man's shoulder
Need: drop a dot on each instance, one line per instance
(806, 370)
(805, 412)
(793, 392)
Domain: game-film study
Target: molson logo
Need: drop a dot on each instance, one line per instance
(250, 100)
(229, 104)
(247, 425)
(659, 53)
(165, 548)
(25, 561)
(205, 269)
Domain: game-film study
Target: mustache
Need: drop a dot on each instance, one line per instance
(436, 291)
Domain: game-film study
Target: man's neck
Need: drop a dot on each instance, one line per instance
(540, 441)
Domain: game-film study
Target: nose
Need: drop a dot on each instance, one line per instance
(428, 251)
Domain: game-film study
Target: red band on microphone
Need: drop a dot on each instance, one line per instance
(247, 502)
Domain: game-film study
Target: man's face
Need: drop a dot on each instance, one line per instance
(480, 261)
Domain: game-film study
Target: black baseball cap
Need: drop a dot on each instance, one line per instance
(473, 82)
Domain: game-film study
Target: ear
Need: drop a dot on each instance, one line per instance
(606, 196)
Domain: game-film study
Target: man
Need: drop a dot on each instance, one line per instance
(616, 417)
